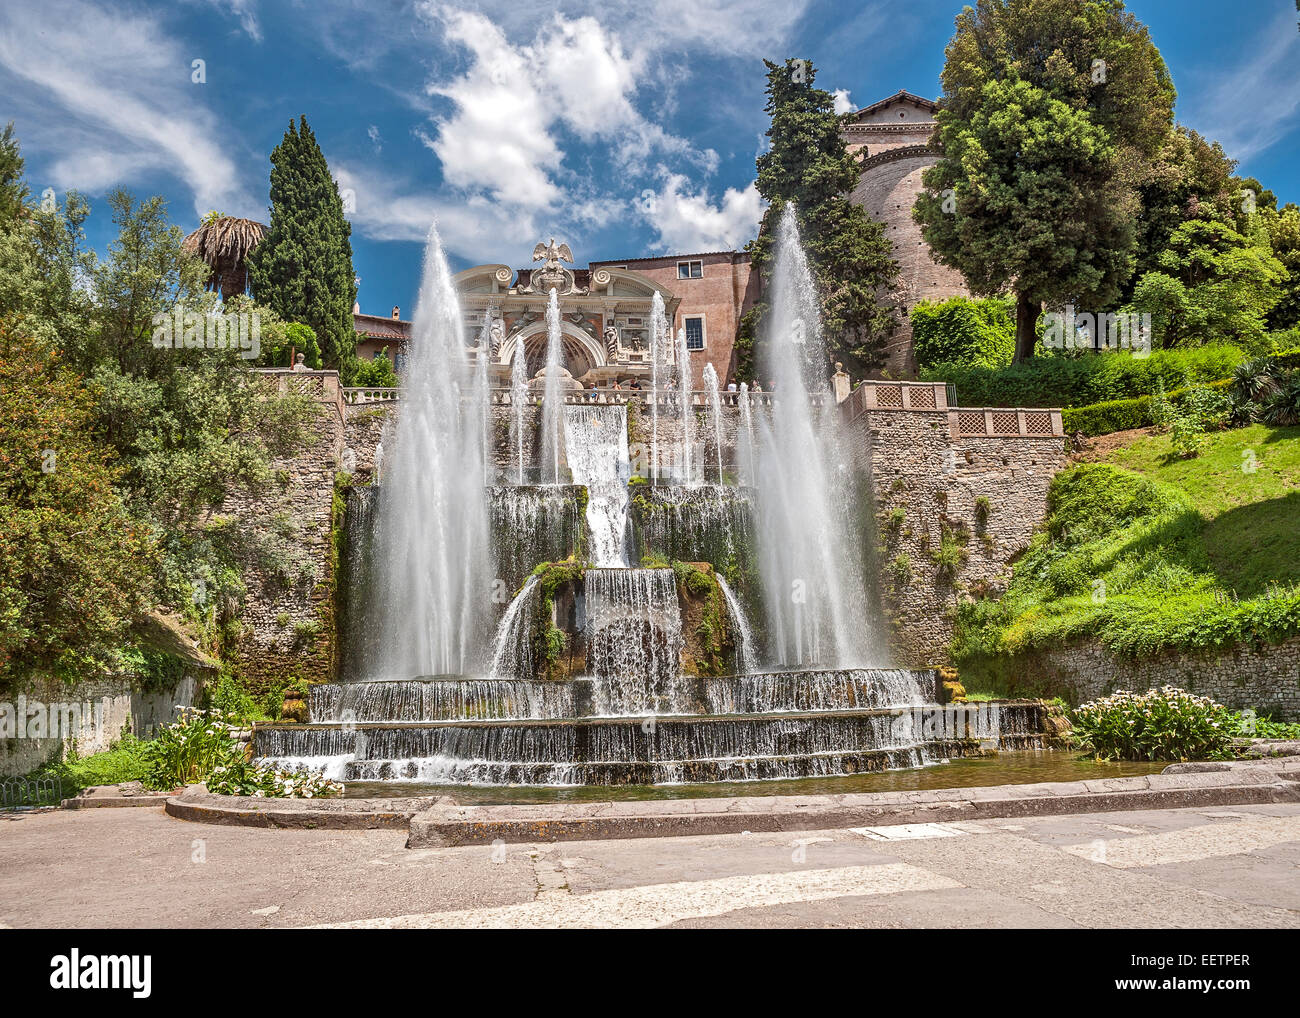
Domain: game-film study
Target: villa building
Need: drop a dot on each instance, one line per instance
(605, 312)
(891, 138)
(605, 307)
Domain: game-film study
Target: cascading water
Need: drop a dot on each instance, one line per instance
(634, 639)
(553, 394)
(595, 439)
(512, 653)
(746, 658)
(432, 538)
(518, 400)
(812, 555)
(710, 383)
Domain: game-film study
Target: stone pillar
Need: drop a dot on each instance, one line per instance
(840, 383)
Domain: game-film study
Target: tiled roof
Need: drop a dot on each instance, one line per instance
(380, 327)
(902, 95)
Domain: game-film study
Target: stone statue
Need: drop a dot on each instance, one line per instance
(552, 275)
(497, 332)
(553, 254)
(611, 341)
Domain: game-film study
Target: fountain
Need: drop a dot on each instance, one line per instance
(710, 377)
(685, 440)
(518, 398)
(645, 632)
(551, 398)
(432, 530)
(812, 554)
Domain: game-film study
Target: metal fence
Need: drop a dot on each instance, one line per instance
(30, 793)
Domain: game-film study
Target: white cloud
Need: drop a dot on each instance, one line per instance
(372, 132)
(388, 209)
(688, 222)
(512, 102)
(843, 104)
(106, 96)
(1230, 110)
(245, 12)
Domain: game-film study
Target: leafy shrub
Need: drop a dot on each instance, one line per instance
(1160, 724)
(964, 330)
(190, 748)
(1283, 406)
(377, 373)
(245, 778)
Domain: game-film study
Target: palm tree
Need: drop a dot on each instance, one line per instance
(224, 242)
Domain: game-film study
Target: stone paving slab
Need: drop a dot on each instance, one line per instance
(198, 804)
(127, 794)
(445, 825)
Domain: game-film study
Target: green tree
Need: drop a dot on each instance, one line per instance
(848, 253)
(75, 568)
(1285, 236)
(378, 373)
(302, 269)
(964, 331)
(1189, 172)
(1232, 281)
(1053, 114)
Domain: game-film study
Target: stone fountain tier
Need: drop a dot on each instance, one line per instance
(589, 751)
(451, 698)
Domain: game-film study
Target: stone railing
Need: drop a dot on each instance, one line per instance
(1005, 422)
(503, 397)
(357, 394)
(897, 396)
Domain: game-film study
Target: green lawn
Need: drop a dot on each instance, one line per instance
(123, 762)
(1251, 533)
(1145, 551)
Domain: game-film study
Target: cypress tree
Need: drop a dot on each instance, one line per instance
(848, 252)
(302, 269)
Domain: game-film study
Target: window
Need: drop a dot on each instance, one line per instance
(694, 332)
(690, 270)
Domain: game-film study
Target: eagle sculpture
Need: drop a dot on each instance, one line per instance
(553, 254)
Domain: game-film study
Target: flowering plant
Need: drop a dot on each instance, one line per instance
(188, 749)
(1161, 724)
(263, 781)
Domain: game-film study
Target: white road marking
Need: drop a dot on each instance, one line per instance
(909, 832)
(1192, 844)
(661, 904)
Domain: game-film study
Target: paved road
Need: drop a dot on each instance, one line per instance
(1217, 867)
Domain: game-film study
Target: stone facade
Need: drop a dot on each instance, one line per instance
(725, 290)
(891, 139)
(287, 622)
(937, 489)
(1265, 678)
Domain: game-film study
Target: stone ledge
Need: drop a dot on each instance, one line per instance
(129, 794)
(448, 825)
(196, 803)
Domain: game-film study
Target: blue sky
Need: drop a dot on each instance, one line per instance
(625, 127)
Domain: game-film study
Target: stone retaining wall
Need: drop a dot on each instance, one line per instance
(1265, 678)
(91, 716)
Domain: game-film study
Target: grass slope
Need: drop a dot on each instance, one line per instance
(1144, 552)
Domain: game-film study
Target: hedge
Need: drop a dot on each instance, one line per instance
(1084, 380)
(1125, 414)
